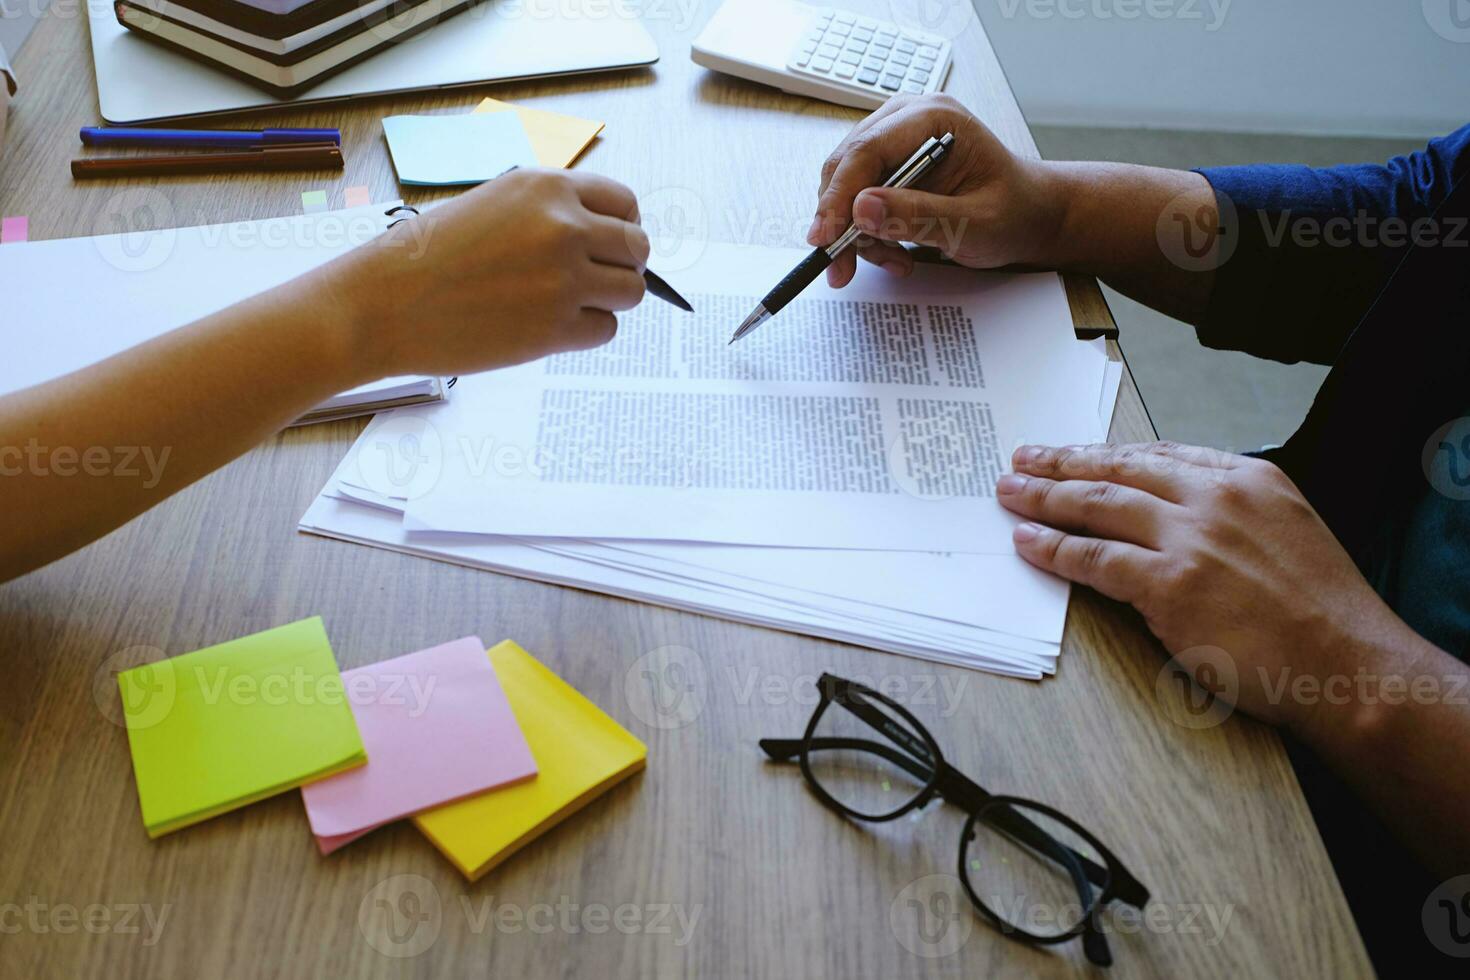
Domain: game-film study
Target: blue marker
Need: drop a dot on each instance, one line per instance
(243, 138)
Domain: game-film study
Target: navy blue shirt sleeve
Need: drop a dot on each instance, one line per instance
(1312, 248)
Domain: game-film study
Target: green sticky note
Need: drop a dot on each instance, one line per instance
(222, 727)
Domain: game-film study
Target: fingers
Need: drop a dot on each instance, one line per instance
(1117, 570)
(1201, 456)
(842, 269)
(890, 258)
(909, 216)
(617, 242)
(829, 166)
(865, 159)
(604, 195)
(1105, 510)
(590, 328)
(1138, 466)
(611, 287)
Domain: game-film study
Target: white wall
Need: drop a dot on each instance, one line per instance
(1350, 67)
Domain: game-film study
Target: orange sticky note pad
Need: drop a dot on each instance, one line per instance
(556, 139)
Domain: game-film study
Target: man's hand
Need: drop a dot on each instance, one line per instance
(981, 205)
(1214, 549)
(985, 207)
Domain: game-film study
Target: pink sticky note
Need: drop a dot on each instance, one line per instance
(356, 197)
(436, 726)
(14, 229)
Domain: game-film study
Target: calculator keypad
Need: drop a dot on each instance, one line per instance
(870, 54)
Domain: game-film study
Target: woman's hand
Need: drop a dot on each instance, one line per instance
(981, 205)
(533, 263)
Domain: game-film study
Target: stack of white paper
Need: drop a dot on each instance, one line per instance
(831, 474)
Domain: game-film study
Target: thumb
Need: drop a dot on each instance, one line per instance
(908, 216)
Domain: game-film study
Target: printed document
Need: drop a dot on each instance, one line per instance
(875, 417)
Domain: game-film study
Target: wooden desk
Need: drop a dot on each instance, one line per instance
(1212, 820)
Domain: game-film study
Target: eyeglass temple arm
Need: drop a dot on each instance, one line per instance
(960, 789)
(785, 749)
(969, 796)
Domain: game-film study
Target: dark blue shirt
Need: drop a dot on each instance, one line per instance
(1367, 268)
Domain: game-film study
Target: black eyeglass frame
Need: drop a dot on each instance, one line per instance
(1111, 879)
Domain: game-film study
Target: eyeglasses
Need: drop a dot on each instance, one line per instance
(1034, 873)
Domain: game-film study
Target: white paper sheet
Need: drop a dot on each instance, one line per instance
(877, 417)
(86, 299)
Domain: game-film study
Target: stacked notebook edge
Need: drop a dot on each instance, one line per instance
(283, 53)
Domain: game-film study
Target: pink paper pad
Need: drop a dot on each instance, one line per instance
(436, 726)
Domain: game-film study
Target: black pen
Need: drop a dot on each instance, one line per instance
(664, 291)
(803, 275)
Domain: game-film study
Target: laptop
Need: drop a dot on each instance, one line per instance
(498, 40)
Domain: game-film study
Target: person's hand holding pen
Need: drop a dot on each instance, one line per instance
(983, 207)
(533, 263)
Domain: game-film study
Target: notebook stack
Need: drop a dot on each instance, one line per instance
(283, 46)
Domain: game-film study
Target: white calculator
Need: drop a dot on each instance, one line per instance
(824, 52)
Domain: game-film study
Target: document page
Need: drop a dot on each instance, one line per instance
(874, 417)
(86, 299)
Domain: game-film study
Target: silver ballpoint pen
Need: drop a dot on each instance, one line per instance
(803, 275)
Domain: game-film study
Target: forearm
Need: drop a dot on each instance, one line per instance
(1148, 233)
(83, 454)
(1396, 728)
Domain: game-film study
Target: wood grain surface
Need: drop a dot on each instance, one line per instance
(711, 863)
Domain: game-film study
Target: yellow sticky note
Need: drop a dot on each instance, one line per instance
(222, 727)
(557, 139)
(580, 752)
